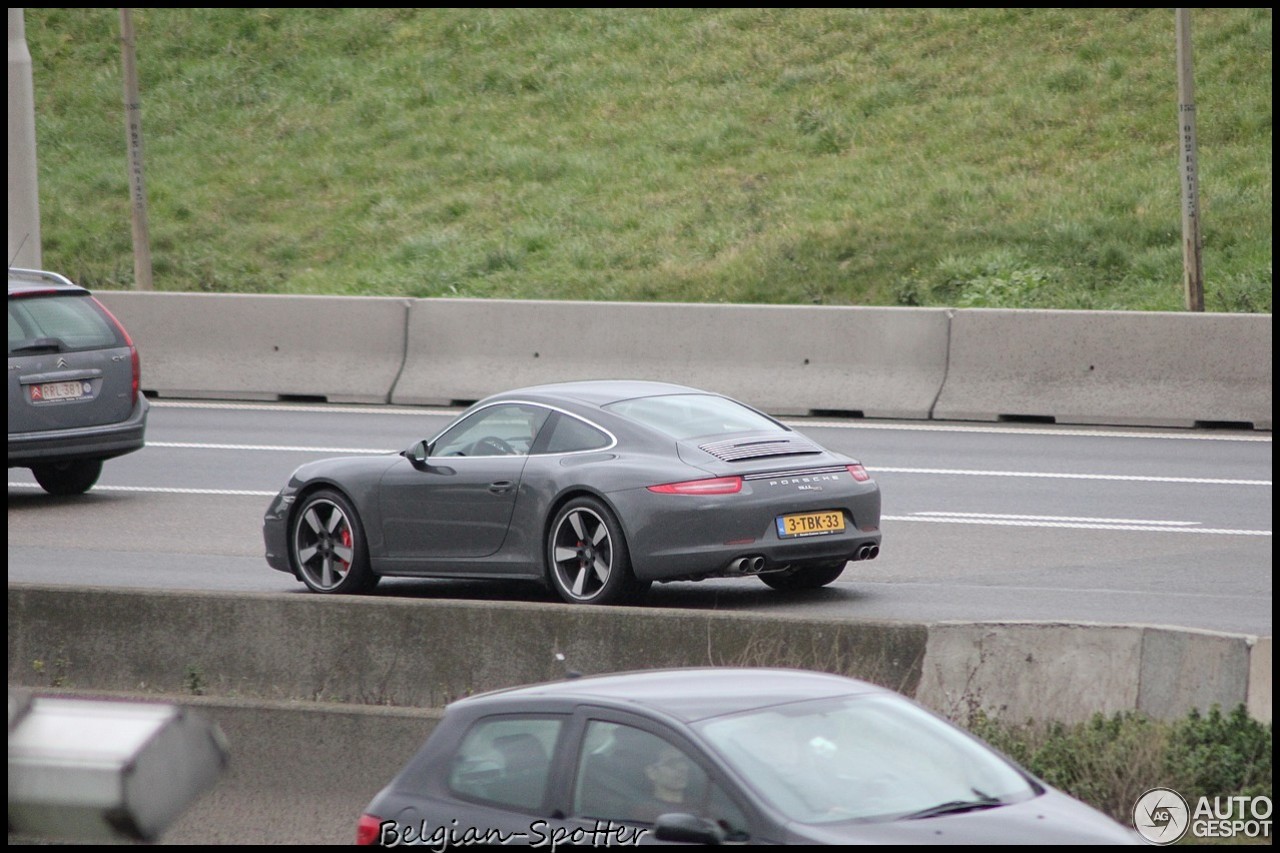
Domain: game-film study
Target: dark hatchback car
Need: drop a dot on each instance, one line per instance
(73, 383)
(715, 755)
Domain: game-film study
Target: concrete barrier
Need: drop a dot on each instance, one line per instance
(786, 359)
(1034, 671)
(415, 653)
(262, 347)
(1109, 367)
(300, 772)
(1085, 367)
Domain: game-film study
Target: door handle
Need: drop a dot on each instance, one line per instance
(501, 487)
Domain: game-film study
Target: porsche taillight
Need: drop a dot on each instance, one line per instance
(713, 486)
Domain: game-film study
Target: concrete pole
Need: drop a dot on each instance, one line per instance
(23, 246)
(133, 136)
(1192, 262)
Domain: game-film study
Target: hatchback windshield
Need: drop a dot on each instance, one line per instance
(684, 416)
(868, 758)
(59, 323)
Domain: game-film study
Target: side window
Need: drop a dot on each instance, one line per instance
(506, 429)
(569, 434)
(626, 774)
(506, 760)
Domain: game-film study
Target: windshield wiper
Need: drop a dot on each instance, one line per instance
(983, 801)
(40, 345)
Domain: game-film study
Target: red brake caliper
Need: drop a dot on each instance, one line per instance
(346, 542)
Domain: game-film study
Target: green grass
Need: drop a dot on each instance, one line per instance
(980, 157)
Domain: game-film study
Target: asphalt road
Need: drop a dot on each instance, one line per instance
(981, 521)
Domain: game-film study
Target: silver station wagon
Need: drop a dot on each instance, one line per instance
(74, 399)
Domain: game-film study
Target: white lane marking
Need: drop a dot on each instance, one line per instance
(997, 429)
(1051, 518)
(361, 451)
(1050, 475)
(1080, 524)
(164, 490)
(283, 448)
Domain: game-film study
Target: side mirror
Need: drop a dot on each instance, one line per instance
(687, 828)
(418, 453)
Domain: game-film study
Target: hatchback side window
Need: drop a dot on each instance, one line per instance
(627, 774)
(506, 760)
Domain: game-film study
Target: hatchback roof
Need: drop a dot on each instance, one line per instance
(688, 693)
(22, 281)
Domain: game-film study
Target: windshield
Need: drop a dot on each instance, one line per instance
(867, 757)
(684, 416)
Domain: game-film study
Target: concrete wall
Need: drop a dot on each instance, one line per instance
(1106, 367)
(223, 346)
(413, 653)
(1086, 367)
(322, 700)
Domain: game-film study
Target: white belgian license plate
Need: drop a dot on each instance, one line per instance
(60, 391)
(811, 523)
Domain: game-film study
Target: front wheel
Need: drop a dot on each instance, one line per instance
(810, 577)
(587, 557)
(327, 545)
(68, 478)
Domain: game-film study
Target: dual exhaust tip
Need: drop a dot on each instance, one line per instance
(754, 564)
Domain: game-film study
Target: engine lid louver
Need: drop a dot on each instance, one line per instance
(736, 450)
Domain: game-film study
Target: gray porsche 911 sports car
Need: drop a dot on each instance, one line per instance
(598, 488)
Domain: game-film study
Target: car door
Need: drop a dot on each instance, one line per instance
(458, 504)
(627, 772)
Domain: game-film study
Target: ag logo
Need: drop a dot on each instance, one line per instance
(1161, 816)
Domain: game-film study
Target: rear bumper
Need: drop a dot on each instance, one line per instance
(96, 442)
(689, 537)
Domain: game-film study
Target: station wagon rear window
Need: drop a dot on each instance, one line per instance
(70, 322)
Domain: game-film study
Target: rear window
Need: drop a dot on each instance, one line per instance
(684, 416)
(70, 322)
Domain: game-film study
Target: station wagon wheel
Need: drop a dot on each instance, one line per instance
(327, 545)
(587, 557)
(68, 478)
(808, 577)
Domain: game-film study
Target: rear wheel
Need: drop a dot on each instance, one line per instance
(327, 545)
(587, 558)
(68, 478)
(809, 577)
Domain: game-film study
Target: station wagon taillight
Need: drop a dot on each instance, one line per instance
(367, 829)
(134, 362)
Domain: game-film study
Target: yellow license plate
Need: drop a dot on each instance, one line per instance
(810, 524)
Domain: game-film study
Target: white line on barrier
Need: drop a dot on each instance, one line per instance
(1147, 527)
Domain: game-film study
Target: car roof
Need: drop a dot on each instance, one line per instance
(23, 282)
(597, 392)
(687, 694)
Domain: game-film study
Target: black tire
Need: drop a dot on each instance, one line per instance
(68, 478)
(327, 545)
(587, 558)
(808, 577)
